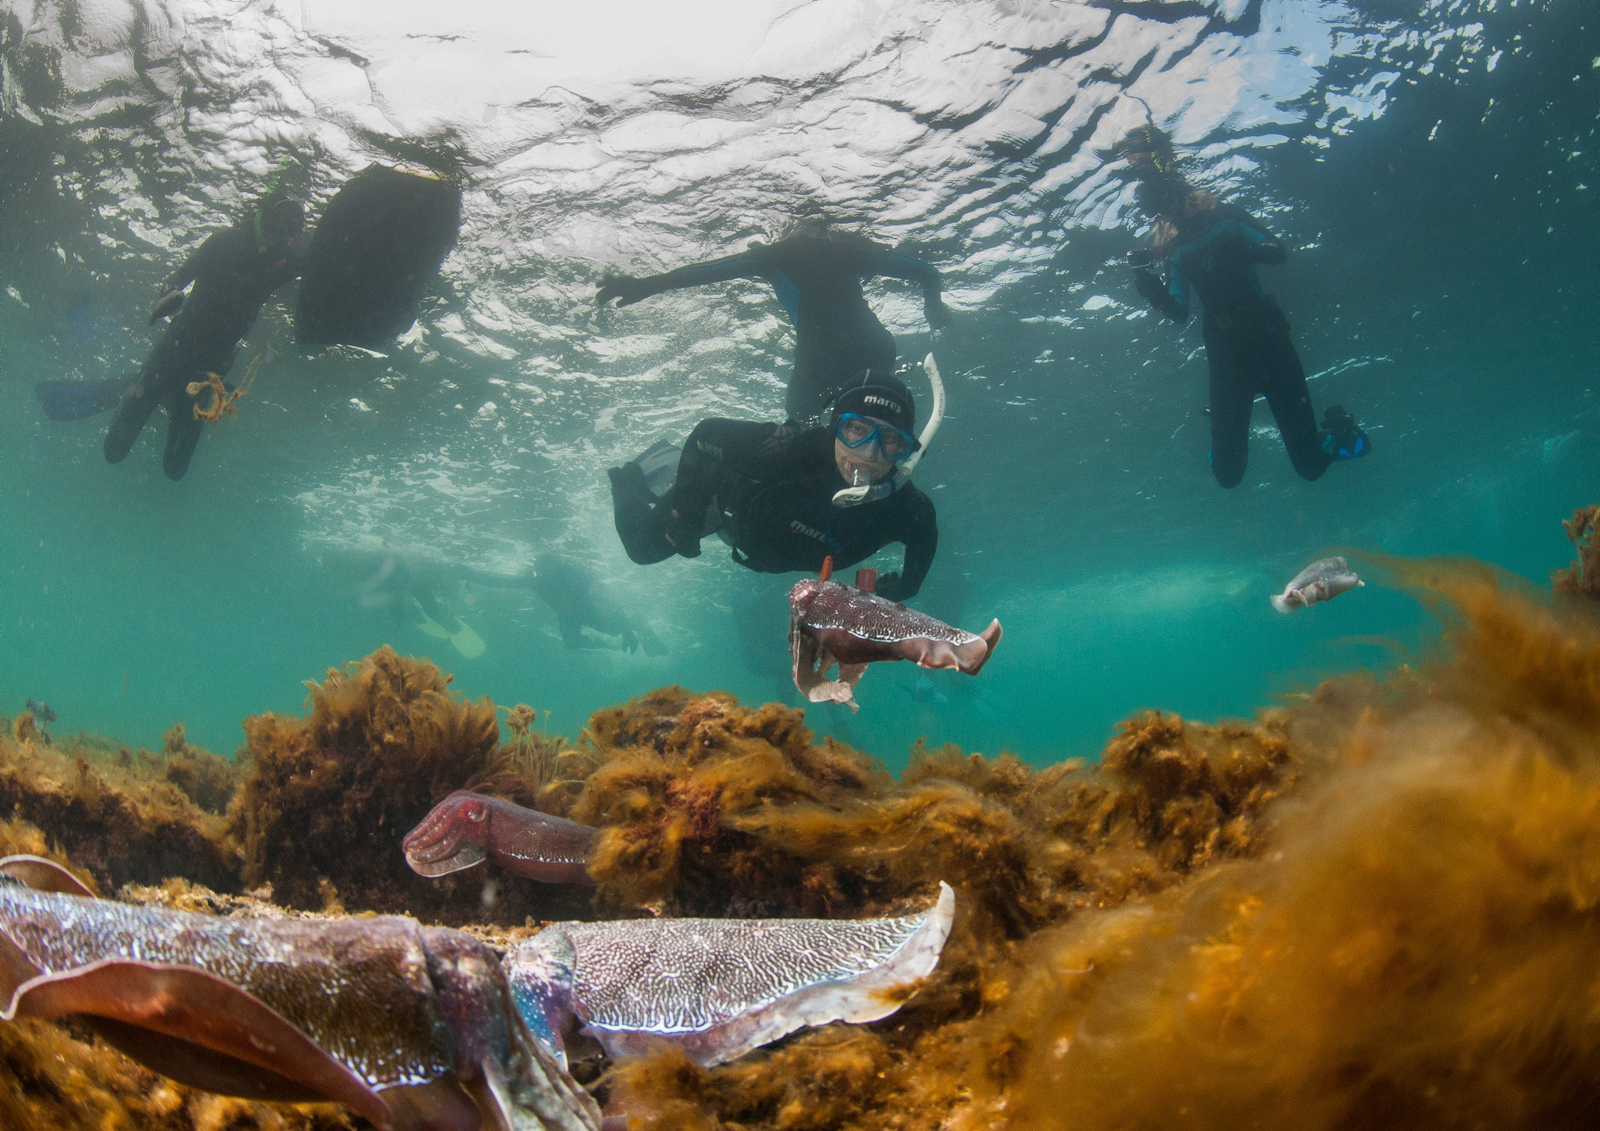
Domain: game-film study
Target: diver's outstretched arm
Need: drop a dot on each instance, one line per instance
(627, 289)
(172, 290)
(897, 266)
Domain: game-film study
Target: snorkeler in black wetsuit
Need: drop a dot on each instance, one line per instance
(579, 601)
(817, 273)
(234, 272)
(1214, 248)
(769, 490)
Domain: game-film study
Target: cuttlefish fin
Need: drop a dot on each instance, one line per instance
(195, 1028)
(991, 637)
(43, 875)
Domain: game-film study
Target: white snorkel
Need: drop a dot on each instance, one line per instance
(860, 491)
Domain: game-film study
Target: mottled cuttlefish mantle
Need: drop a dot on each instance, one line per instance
(718, 988)
(467, 828)
(1320, 581)
(413, 1028)
(831, 623)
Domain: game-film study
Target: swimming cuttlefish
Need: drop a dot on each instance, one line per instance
(424, 1028)
(1320, 581)
(849, 625)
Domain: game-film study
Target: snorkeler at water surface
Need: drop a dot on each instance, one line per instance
(234, 272)
(1212, 248)
(770, 491)
(816, 271)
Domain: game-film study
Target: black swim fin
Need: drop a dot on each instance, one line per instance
(79, 400)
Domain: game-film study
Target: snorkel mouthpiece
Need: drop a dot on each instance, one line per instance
(862, 488)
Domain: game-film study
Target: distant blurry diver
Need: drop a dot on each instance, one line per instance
(406, 583)
(816, 271)
(233, 272)
(1214, 247)
(580, 602)
(40, 710)
(769, 491)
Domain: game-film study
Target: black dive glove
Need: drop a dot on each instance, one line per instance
(624, 288)
(1150, 286)
(684, 536)
(891, 587)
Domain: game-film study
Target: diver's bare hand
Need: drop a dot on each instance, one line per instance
(166, 304)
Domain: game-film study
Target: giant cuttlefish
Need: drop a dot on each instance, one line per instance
(1320, 581)
(419, 1028)
(466, 828)
(833, 623)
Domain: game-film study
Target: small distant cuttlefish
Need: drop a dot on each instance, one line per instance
(1320, 581)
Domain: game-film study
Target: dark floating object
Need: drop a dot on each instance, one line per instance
(411, 1027)
(383, 235)
(1320, 581)
(465, 828)
(850, 625)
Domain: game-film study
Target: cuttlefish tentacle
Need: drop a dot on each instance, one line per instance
(718, 988)
(414, 1029)
(832, 623)
(466, 828)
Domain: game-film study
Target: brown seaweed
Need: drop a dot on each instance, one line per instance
(1582, 577)
(330, 796)
(115, 814)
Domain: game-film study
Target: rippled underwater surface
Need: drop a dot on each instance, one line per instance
(1430, 163)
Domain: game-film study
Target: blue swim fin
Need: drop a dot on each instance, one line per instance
(79, 400)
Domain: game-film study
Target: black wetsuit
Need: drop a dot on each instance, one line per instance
(818, 282)
(1247, 337)
(232, 279)
(770, 490)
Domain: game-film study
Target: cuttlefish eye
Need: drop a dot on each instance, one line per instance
(475, 811)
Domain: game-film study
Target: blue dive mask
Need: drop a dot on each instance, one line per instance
(859, 431)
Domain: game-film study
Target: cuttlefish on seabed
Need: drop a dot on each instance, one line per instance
(422, 1028)
(849, 625)
(1320, 581)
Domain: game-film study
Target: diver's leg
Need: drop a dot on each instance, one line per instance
(433, 610)
(640, 520)
(183, 435)
(1232, 396)
(571, 629)
(137, 404)
(810, 391)
(1283, 380)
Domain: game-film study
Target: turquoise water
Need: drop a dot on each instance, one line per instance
(1432, 167)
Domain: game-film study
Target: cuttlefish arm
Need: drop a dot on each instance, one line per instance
(834, 623)
(413, 1029)
(467, 828)
(718, 988)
